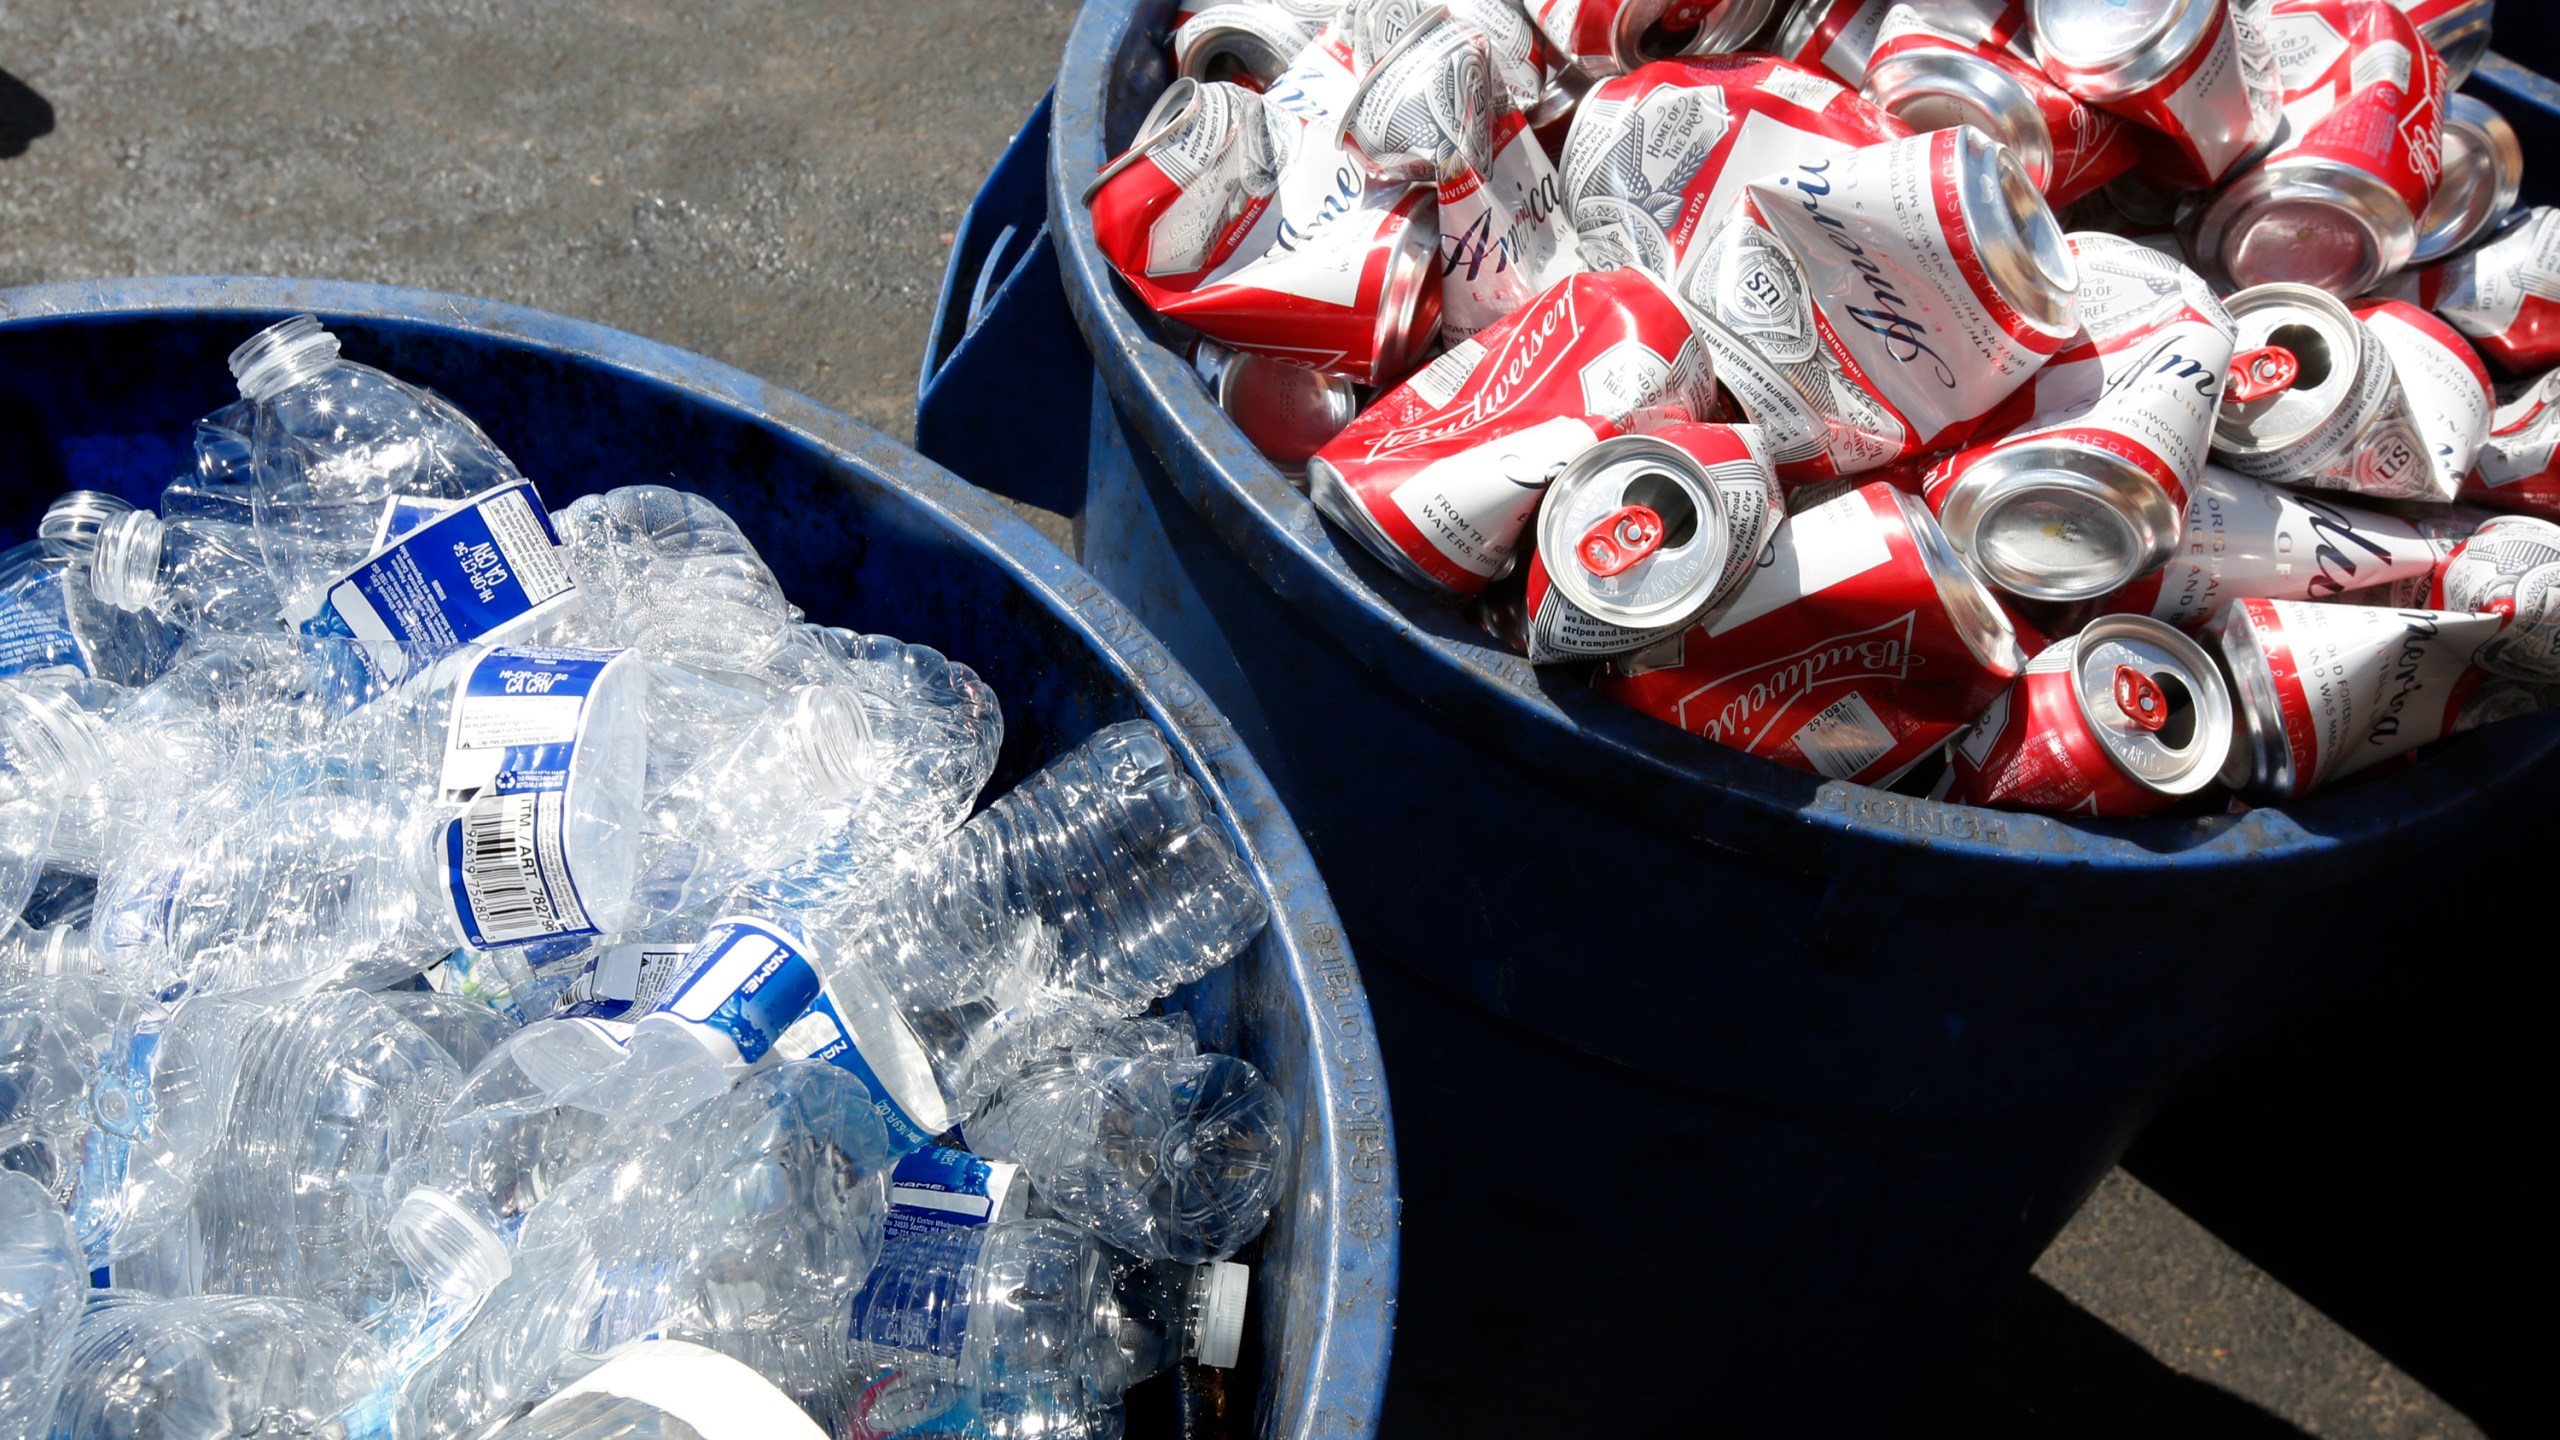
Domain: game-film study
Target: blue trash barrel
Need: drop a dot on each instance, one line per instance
(100, 383)
(1738, 1093)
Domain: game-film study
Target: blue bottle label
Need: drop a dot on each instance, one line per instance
(939, 1188)
(488, 567)
(824, 1035)
(516, 724)
(106, 1151)
(747, 983)
(622, 980)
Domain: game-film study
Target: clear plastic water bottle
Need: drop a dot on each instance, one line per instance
(194, 572)
(213, 1365)
(1036, 1304)
(50, 618)
(1168, 1158)
(48, 756)
(668, 573)
(29, 952)
(333, 444)
(112, 1103)
(42, 1282)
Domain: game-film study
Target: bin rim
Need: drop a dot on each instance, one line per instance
(1356, 1219)
(1582, 740)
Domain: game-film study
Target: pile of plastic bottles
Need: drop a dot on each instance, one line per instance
(453, 941)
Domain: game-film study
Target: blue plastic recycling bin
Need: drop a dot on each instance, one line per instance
(100, 384)
(1734, 1092)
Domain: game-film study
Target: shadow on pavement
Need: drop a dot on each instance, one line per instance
(24, 116)
(2044, 1369)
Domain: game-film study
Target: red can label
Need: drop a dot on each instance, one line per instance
(2517, 469)
(2504, 295)
(2446, 387)
(2214, 108)
(2353, 686)
(2034, 750)
(2362, 89)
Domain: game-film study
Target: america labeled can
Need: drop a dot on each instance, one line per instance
(2519, 464)
(2125, 718)
(1859, 644)
(2245, 538)
(1957, 64)
(2197, 73)
(2447, 389)
(2327, 690)
(2505, 295)
(2316, 401)
(1641, 535)
(2510, 568)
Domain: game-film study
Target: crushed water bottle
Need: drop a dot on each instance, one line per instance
(52, 621)
(213, 1366)
(43, 1280)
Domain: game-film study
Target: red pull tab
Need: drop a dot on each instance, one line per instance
(1620, 540)
(2257, 374)
(2139, 697)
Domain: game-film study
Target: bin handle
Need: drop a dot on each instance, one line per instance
(986, 280)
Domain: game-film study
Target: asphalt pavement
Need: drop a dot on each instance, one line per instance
(775, 186)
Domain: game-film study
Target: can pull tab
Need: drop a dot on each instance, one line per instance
(2140, 698)
(2257, 374)
(1622, 538)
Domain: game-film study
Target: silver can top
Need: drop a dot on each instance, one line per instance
(2019, 242)
(2108, 49)
(1975, 615)
(2483, 173)
(1409, 297)
(2059, 520)
(2154, 700)
(1287, 411)
(2326, 348)
(2307, 220)
(1943, 88)
(1663, 588)
(2260, 756)
(1229, 42)
(2461, 36)
(1649, 30)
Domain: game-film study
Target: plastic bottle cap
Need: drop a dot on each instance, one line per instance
(1223, 1288)
(449, 1247)
(835, 737)
(124, 570)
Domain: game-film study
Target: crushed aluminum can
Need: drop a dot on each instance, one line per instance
(2089, 494)
(1612, 37)
(2336, 204)
(1287, 411)
(2458, 29)
(1962, 62)
(1247, 43)
(2333, 416)
(2127, 717)
(1234, 221)
(2327, 690)
(1875, 306)
(2483, 174)
(1526, 65)
(1439, 477)
(2447, 388)
(2246, 539)
(1641, 535)
(1858, 646)
(2519, 464)
(2510, 568)
(2197, 73)
(1655, 158)
(2505, 295)
(1836, 37)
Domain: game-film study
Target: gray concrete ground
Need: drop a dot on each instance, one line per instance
(774, 185)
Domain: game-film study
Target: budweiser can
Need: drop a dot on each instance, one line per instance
(2505, 295)
(2198, 73)
(1612, 37)
(2446, 386)
(2124, 718)
(2483, 173)
(1859, 644)
(2519, 465)
(2444, 528)
(1877, 305)
(1523, 63)
(1228, 217)
(2510, 569)
(2320, 405)
(1656, 158)
(1439, 476)
(1836, 37)
(2336, 204)
(2088, 494)
(1287, 411)
(1245, 44)
(1641, 535)
(1956, 65)
(2244, 538)
(2458, 29)
(2328, 690)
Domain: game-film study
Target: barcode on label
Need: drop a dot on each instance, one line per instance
(514, 882)
(527, 546)
(1845, 738)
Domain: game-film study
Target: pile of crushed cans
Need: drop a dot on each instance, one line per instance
(2065, 405)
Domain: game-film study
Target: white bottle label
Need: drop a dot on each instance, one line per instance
(515, 729)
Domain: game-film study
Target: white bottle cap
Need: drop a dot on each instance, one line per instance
(1220, 1335)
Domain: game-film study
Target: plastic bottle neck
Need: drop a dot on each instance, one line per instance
(71, 524)
(834, 739)
(124, 570)
(282, 356)
(50, 737)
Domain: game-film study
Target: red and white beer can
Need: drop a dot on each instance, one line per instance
(2324, 407)
(2519, 464)
(1612, 37)
(2510, 569)
(1963, 62)
(2125, 718)
(1440, 475)
(2483, 175)
(1249, 232)
(2244, 538)
(1876, 306)
(2458, 29)
(2327, 690)
(1857, 647)
(1641, 535)
(1244, 42)
(2197, 73)
(2446, 387)
(1836, 37)
(2088, 493)
(1655, 158)
(2505, 295)
(1288, 411)
(2337, 203)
